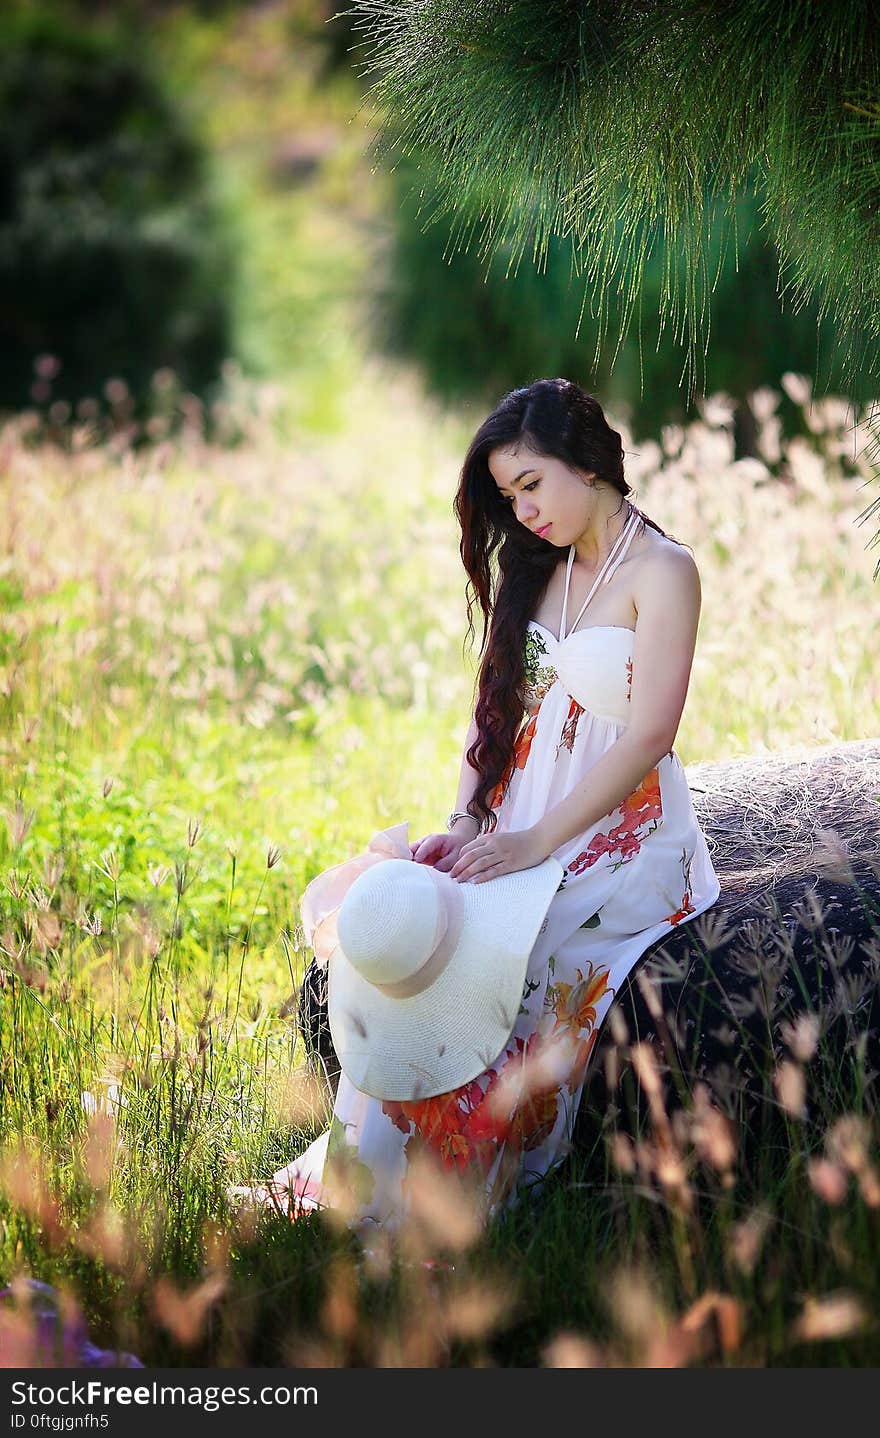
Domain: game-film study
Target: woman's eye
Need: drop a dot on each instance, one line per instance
(533, 484)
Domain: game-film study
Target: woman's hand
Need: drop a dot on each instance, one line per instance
(488, 856)
(439, 850)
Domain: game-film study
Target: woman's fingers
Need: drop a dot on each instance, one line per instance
(478, 874)
(466, 865)
(489, 860)
(448, 851)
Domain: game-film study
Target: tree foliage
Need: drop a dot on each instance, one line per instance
(627, 128)
(477, 329)
(112, 256)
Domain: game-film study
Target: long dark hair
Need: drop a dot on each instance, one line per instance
(552, 417)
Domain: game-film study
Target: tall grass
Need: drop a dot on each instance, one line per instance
(221, 670)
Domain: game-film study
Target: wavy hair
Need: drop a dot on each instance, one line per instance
(552, 417)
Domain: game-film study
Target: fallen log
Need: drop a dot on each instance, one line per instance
(781, 978)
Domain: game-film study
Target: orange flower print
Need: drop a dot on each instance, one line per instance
(534, 1120)
(442, 1126)
(569, 729)
(515, 1104)
(641, 813)
(523, 742)
(575, 1008)
(687, 906)
(431, 1115)
(488, 1121)
(496, 798)
(581, 1059)
(521, 747)
(575, 1004)
(467, 1128)
(533, 1099)
(647, 795)
(439, 1125)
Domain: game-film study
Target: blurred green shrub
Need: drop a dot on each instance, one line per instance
(113, 258)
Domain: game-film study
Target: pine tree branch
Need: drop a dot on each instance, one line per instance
(637, 126)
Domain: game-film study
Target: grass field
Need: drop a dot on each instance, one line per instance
(222, 669)
(224, 664)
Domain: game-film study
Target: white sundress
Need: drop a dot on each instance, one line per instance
(630, 878)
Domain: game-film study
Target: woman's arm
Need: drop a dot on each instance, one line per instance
(467, 783)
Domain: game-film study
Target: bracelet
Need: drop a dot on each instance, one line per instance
(461, 814)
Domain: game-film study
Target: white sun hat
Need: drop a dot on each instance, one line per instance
(426, 974)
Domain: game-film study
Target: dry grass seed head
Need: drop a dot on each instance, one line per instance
(106, 1237)
(746, 1239)
(18, 823)
(801, 1036)
(831, 856)
(722, 1310)
(790, 1084)
(339, 1310)
(837, 1315)
(635, 1307)
(442, 1208)
(571, 1350)
(712, 1132)
(828, 1180)
(300, 1100)
(847, 1142)
(23, 1182)
(183, 1311)
(477, 1308)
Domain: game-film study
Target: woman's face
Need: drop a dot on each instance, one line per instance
(550, 499)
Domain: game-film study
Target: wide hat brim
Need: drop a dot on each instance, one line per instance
(439, 1039)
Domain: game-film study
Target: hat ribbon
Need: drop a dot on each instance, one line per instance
(450, 920)
(322, 898)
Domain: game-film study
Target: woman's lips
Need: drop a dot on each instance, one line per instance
(542, 532)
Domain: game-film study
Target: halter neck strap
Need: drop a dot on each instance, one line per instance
(614, 557)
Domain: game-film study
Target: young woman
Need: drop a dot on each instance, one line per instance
(592, 623)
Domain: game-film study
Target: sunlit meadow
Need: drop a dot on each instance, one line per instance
(223, 667)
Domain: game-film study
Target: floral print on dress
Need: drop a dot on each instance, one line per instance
(575, 1007)
(641, 814)
(539, 676)
(569, 728)
(687, 906)
(521, 746)
(513, 1107)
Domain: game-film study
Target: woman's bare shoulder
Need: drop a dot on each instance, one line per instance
(666, 570)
